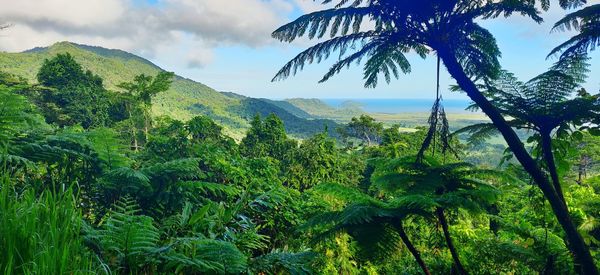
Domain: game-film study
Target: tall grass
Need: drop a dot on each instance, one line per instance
(41, 234)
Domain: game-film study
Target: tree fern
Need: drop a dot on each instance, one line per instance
(127, 240)
(585, 21)
(377, 227)
(278, 262)
(205, 256)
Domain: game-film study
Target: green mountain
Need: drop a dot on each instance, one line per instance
(319, 109)
(297, 121)
(185, 99)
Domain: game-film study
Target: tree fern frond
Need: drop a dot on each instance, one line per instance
(207, 257)
(585, 21)
(17, 162)
(180, 169)
(478, 133)
(127, 180)
(317, 23)
(346, 193)
(387, 58)
(284, 262)
(128, 237)
(321, 51)
(212, 189)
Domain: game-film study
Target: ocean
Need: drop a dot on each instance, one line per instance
(396, 106)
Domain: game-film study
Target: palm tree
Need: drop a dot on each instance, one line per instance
(449, 28)
(585, 21)
(543, 105)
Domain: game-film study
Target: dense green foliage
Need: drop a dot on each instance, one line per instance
(100, 181)
(452, 31)
(188, 199)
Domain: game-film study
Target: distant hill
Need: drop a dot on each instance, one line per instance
(319, 109)
(287, 106)
(185, 99)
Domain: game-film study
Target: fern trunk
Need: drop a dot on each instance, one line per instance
(550, 163)
(580, 250)
(455, 257)
(413, 250)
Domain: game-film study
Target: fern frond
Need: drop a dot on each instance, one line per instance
(180, 169)
(343, 192)
(317, 24)
(206, 256)
(284, 262)
(127, 236)
(321, 51)
(212, 189)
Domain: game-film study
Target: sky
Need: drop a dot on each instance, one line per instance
(227, 45)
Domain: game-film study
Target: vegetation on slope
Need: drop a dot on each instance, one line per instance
(184, 100)
(320, 109)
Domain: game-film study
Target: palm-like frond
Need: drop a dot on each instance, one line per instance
(17, 162)
(128, 237)
(370, 225)
(12, 112)
(322, 51)
(338, 21)
(212, 189)
(125, 180)
(382, 31)
(344, 193)
(543, 103)
(455, 185)
(49, 154)
(284, 262)
(478, 133)
(174, 170)
(205, 256)
(585, 21)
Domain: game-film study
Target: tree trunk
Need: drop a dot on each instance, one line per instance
(494, 224)
(580, 250)
(580, 170)
(549, 159)
(135, 141)
(146, 132)
(367, 138)
(413, 250)
(584, 162)
(133, 132)
(457, 264)
(147, 121)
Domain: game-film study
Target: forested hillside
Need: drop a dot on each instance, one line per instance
(318, 108)
(185, 98)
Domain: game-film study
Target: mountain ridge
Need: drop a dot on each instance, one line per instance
(185, 99)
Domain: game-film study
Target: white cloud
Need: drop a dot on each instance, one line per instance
(63, 13)
(199, 58)
(311, 5)
(234, 21)
(143, 28)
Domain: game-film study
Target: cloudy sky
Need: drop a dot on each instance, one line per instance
(226, 44)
